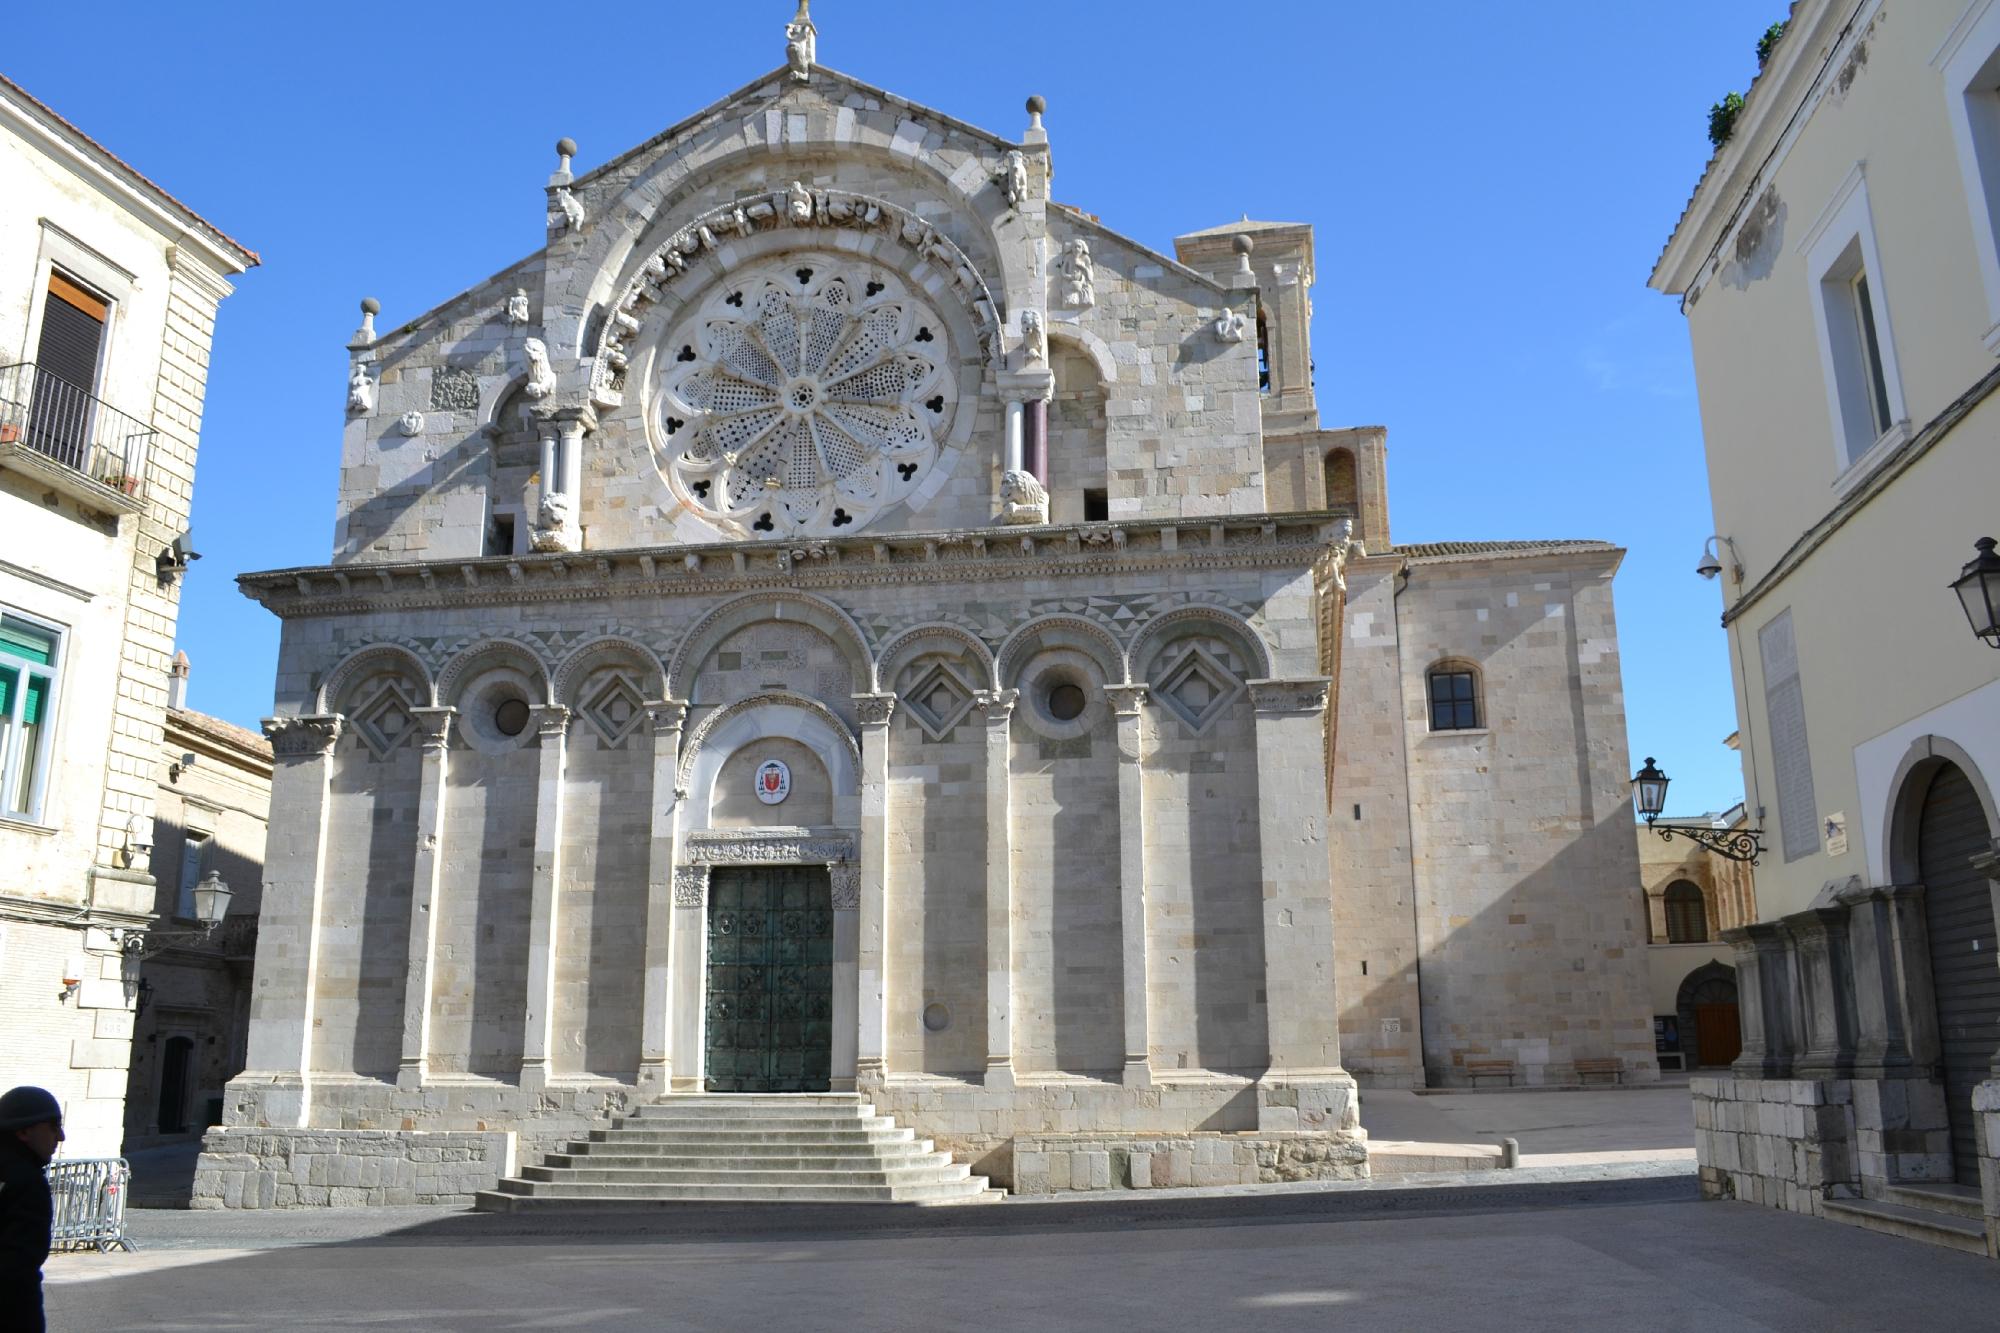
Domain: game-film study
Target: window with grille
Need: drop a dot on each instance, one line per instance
(1454, 699)
(1687, 917)
(28, 660)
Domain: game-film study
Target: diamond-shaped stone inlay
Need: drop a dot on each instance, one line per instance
(614, 707)
(1198, 687)
(938, 701)
(384, 722)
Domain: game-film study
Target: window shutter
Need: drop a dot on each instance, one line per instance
(17, 640)
(1791, 756)
(72, 333)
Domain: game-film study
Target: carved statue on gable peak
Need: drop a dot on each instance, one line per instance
(1077, 274)
(1232, 325)
(801, 44)
(799, 204)
(568, 213)
(1034, 338)
(1014, 177)
(519, 309)
(360, 390)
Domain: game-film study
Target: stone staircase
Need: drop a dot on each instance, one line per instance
(1947, 1215)
(743, 1148)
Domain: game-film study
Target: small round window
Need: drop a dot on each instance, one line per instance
(511, 717)
(1066, 701)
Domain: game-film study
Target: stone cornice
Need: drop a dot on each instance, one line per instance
(980, 555)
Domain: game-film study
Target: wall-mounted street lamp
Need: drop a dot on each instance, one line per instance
(211, 907)
(1649, 793)
(175, 557)
(1711, 558)
(1978, 589)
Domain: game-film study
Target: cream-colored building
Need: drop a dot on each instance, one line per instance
(1692, 895)
(1839, 267)
(108, 294)
(828, 528)
(193, 1023)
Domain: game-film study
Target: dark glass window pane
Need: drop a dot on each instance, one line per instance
(1454, 701)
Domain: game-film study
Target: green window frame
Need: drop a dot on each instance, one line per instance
(30, 656)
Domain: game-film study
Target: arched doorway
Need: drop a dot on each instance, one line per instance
(1711, 1031)
(175, 1064)
(1965, 973)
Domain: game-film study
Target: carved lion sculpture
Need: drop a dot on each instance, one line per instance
(541, 375)
(1022, 498)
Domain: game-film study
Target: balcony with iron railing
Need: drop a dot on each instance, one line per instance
(72, 441)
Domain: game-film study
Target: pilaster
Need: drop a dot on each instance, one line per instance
(872, 949)
(436, 726)
(1764, 991)
(1128, 706)
(656, 1054)
(998, 708)
(1881, 1046)
(687, 979)
(281, 1003)
(551, 722)
(1825, 981)
(1297, 893)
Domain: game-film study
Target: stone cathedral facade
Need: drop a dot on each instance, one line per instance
(836, 618)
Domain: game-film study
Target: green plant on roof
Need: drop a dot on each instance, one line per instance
(1769, 41)
(1722, 119)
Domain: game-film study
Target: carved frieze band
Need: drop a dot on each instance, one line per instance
(769, 846)
(302, 737)
(1306, 695)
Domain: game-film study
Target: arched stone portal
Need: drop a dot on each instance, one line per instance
(1711, 1031)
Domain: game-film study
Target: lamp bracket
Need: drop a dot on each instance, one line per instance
(1741, 844)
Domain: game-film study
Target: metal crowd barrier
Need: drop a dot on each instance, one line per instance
(90, 1203)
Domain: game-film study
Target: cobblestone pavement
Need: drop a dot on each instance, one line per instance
(1635, 1253)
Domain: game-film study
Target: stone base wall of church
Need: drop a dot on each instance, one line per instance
(1986, 1103)
(347, 1168)
(1067, 1163)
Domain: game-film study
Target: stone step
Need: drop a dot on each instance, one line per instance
(1958, 1200)
(601, 1193)
(805, 1157)
(696, 1124)
(713, 1175)
(748, 1110)
(1924, 1224)
(722, 1139)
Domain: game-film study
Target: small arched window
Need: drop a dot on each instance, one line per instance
(1687, 917)
(1454, 694)
(1341, 489)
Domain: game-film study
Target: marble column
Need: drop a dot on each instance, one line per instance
(1825, 980)
(1305, 1088)
(1038, 439)
(656, 1051)
(1016, 456)
(1881, 1046)
(688, 979)
(551, 469)
(436, 726)
(572, 465)
(997, 706)
(279, 1057)
(872, 950)
(1128, 705)
(551, 723)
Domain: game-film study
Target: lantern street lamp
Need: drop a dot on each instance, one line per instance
(211, 909)
(1649, 794)
(1978, 589)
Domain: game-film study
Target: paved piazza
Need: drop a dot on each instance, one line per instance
(1639, 1254)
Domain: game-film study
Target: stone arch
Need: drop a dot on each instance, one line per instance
(1072, 632)
(788, 605)
(491, 652)
(1212, 619)
(606, 650)
(1098, 350)
(1711, 983)
(367, 661)
(1896, 857)
(761, 716)
(907, 642)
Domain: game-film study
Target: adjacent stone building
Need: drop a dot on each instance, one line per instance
(828, 530)
(108, 296)
(1839, 267)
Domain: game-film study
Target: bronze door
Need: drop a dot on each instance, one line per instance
(770, 979)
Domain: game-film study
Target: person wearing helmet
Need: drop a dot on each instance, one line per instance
(30, 1129)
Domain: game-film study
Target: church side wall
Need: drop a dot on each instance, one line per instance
(1368, 825)
(601, 904)
(479, 973)
(1532, 939)
(371, 851)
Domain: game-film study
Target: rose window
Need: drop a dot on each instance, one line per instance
(805, 395)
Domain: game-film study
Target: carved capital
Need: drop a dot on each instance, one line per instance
(1126, 700)
(846, 877)
(667, 714)
(551, 721)
(435, 724)
(305, 737)
(997, 705)
(691, 885)
(1305, 696)
(875, 709)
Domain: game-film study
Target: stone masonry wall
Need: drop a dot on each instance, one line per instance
(333, 1168)
(1785, 1143)
(1074, 1163)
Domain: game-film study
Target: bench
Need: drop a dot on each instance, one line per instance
(1478, 1069)
(1610, 1068)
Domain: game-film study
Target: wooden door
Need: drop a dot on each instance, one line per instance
(1718, 1036)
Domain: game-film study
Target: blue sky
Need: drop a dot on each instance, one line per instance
(1490, 184)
